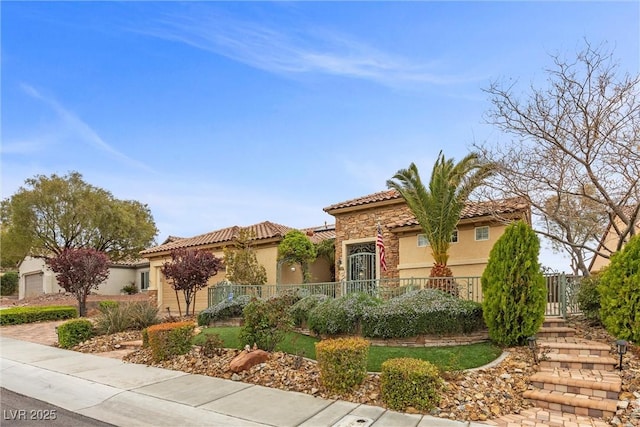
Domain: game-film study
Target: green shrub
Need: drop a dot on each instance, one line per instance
(169, 339)
(515, 294)
(113, 319)
(301, 309)
(620, 293)
(407, 382)
(341, 315)
(74, 332)
(129, 289)
(143, 314)
(427, 311)
(18, 315)
(342, 362)
(107, 304)
(213, 345)
(266, 322)
(589, 298)
(223, 310)
(9, 283)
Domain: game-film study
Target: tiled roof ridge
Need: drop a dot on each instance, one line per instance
(393, 194)
(369, 198)
(473, 209)
(263, 230)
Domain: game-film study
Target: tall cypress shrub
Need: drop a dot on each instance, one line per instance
(515, 294)
(619, 289)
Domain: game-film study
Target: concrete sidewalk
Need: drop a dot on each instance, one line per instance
(127, 394)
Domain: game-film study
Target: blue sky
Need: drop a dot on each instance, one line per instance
(231, 113)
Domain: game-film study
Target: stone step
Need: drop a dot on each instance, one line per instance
(575, 346)
(573, 403)
(570, 361)
(544, 417)
(555, 332)
(592, 383)
(553, 322)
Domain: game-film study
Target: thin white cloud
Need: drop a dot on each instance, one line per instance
(295, 51)
(81, 129)
(22, 147)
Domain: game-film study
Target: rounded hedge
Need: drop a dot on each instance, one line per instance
(341, 315)
(223, 310)
(300, 310)
(426, 311)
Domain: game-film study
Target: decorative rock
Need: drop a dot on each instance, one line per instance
(236, 377)
(245, 360)
(505, 376)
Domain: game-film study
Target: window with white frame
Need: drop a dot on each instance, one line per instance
(482, 233)
(423, 241)
(144, 280)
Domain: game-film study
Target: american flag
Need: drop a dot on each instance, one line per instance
(380, 245)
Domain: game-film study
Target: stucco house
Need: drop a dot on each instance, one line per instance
(407, 250)
(609, 240)
(36, 278)
(268, 236)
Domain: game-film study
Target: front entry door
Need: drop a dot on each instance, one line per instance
(361, 268)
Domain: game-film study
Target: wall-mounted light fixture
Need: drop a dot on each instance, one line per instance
(293, 268)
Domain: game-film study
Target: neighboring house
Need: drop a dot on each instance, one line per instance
(609, 242)
(268, 236)
(36, 278)
(407, 250)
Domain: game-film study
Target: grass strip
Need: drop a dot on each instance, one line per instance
(450, 358)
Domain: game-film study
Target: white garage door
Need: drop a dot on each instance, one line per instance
(33, 285)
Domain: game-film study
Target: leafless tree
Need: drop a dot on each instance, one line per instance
(575, 153)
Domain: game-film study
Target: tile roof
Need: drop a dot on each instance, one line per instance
(263, 230)
(406, 218)
(318, 234)
(141, 262)
(472, 210)
(371, 198)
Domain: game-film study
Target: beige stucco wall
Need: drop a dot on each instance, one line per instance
(291, 274)
(610, 241)
(467, 257)
(118, 277)
(32, 265)
(166, 294)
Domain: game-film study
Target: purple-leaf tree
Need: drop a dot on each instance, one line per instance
(79, 270)
(189, 271)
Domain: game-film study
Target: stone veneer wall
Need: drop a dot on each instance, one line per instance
(363, 224)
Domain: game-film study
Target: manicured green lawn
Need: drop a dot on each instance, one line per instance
(447, 358)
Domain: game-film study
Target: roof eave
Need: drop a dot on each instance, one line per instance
(364, 206)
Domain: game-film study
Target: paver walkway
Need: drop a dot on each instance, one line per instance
(45, 333)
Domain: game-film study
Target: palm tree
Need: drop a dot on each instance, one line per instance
(438, 207)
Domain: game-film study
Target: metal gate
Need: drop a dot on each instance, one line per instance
(361, 268)
(562, 294)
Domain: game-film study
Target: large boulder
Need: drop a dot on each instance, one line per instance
(247, 359)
